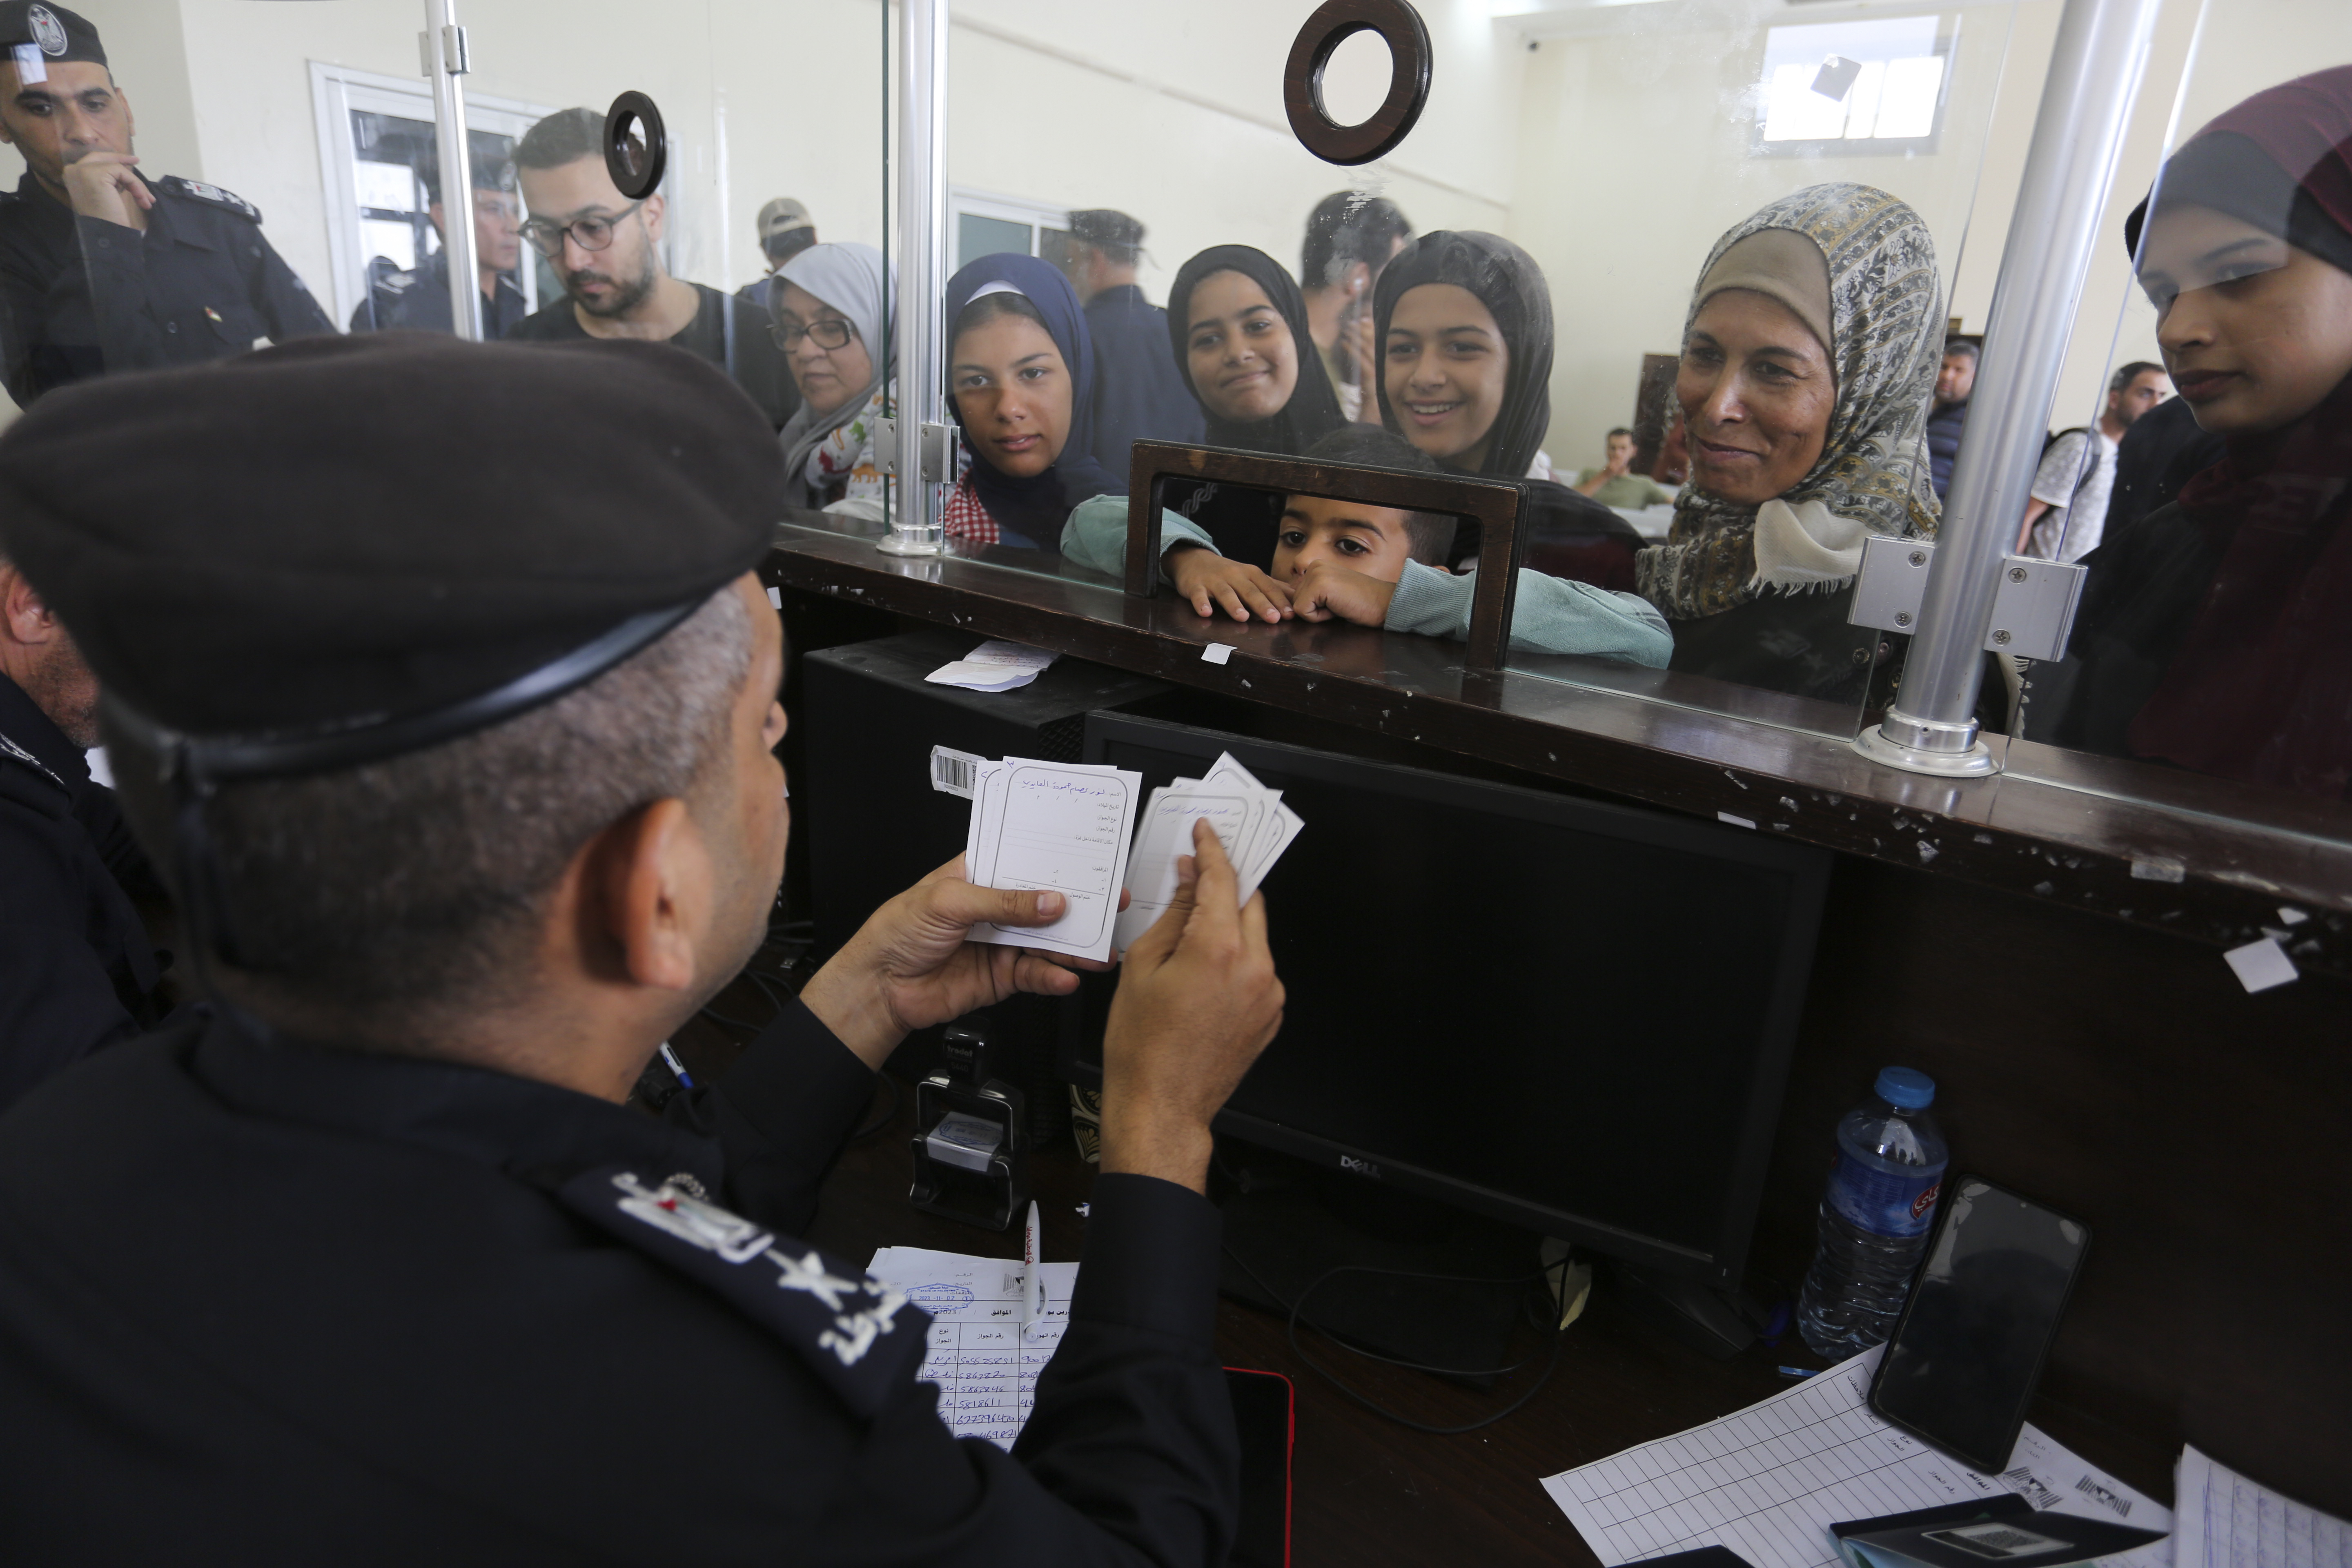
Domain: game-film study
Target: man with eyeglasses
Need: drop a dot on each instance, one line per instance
(104, 270)
(606, 250)
(418, 298)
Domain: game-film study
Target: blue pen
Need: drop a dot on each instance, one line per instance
(1785, 1372)
(671, 1057)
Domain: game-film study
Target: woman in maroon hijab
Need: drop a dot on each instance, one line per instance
(2216, 635)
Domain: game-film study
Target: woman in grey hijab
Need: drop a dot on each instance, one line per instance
(1808, 370)
(831, 305)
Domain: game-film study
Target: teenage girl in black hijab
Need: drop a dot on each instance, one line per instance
(1253, 352)
(1464, 327)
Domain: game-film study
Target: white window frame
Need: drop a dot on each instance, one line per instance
(1038, 215)
(1947, 48)
(335, 91)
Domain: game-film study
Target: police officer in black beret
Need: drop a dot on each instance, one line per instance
(103, 270)
(469, 791)
(76, 969)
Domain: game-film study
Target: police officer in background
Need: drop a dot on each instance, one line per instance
(371, 1264)
(77, 969)
(102, 269)
(418, 298)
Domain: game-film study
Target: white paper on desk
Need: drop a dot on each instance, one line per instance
(1059, 826)
(1769, 1481)
(2228, 1521)
(985, 1366)
(993, 667)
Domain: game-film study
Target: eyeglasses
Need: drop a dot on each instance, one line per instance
(592, 233)
(830, 332)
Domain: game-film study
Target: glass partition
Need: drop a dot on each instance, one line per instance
(289, 181)
(2197, 473)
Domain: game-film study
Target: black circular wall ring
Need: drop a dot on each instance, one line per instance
(638, 173)
(1334, 22)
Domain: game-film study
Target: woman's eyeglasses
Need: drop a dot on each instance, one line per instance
(829, 333)
(592, 233)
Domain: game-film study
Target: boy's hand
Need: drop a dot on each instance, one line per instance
(1328, 592)
(1206, 579)
(1199, 1000)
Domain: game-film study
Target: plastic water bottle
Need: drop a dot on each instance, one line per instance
(1874, 1216)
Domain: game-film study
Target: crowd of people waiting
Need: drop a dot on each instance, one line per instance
(1818, 400)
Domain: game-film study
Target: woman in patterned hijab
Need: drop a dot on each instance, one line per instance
(1808, 368)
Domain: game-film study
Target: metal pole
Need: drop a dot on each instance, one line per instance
(445, 61)
(2096, 69)
(924, 456)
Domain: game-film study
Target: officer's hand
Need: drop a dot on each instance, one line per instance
(910, 965)
(100, 185)
(1199, 1000)
(1326, 591)
(1206, 579)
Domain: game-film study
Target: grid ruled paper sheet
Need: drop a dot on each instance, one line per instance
(986, 1365)
(2228, 1521)
(1769, 1481)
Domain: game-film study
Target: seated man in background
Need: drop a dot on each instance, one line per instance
(77, 971)
(1377, 566)
(418, 298)
(1955, 378)
(2068, 511)
(1615, 483)
(607, 249)
(1139, 393)
(351, 1267)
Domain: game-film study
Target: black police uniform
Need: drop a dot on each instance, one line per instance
(77, 969)
(265, 1300)
(87, 297)
(419, 299)
(294, 1303)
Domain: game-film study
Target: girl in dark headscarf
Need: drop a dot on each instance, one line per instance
(1809, 365)
(1239, 328)
(1021, 380)
(1463, 321)
(2217, 633)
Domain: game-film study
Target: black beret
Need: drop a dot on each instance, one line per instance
(57, 33)
(342, 531)
(1107, 227)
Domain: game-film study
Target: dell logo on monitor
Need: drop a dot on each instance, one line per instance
(1361, 1167)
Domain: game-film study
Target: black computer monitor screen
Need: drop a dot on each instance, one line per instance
(1569, 1014)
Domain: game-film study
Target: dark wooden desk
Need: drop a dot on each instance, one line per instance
(1367, 1491)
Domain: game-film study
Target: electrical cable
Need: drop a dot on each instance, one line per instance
(1297, 1308)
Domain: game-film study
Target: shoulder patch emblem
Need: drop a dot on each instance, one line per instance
(860, 1337)
(211, 195)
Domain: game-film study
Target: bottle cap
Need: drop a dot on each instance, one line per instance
(1905, 1087)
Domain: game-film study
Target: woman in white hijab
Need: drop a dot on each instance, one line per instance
(830, 304)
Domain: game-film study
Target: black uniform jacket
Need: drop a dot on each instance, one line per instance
(419, 300)
(77, 969)
(87, 297)
(1139, 393)
(270, 1303)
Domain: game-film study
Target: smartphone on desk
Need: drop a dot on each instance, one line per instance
(1967, 1351)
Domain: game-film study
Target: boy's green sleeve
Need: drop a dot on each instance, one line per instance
(1095, 535)
(1552, 614)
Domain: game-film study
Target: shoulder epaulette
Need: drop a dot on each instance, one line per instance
(211, 195)
(26, 779)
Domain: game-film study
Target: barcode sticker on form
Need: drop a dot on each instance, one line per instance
(952, 772)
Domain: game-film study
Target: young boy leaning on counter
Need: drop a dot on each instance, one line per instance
(1374, 565)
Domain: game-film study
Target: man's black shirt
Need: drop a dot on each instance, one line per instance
(735, 336)
(77, 969)
(86, 297)
(269, 1303)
